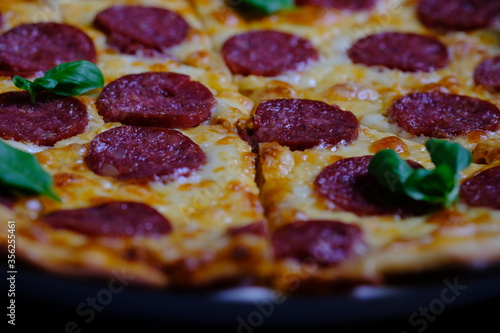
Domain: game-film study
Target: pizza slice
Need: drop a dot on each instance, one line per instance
(370, 57)
(170, 207)
(186, 212)
(72, 35)
(332, 224)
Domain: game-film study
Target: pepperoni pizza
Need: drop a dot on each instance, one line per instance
(230, 146)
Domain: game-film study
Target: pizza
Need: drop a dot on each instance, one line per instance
(231, 144)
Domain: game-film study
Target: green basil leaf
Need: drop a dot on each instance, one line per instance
(449, 153)
(440, 185)
(22, 171)
(270, 6)
(44, 83)
(67, 79)
(437, 186)
(39, 85)
(391, 170)
(75, 78)
(22, 83)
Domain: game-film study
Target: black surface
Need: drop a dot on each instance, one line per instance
(55, 304)
(480, 317)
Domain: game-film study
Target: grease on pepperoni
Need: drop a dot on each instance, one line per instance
(327, 243)
(50, 119)
(267, 53)
(487, 74)
(461, 15)
(407, 52)
(114, 219)
(347, 185)
(443, 115)
(482, 189)
(350, 5)
(301, 124)
(32, 48)
(142, 29)
(144, 154)
(160, 99)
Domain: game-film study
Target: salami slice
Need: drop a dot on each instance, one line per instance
(31, 48)
(443, 115)
(301, 124)
(114, 219)
(51, 119)
(458, 15)
(327, 243)
(406, 52)
(160, 99)
(140, 29)
(482, 189)
(347, 185)
(267, 53)
(487, 74)
(350, 5)
(144, 154)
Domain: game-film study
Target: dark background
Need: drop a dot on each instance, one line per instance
(45, 303)
(480, 317)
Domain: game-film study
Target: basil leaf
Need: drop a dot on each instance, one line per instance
(438, 186)
(390, 169)
(75, 78)
(448, 153)
(22, 171)
(44, 83)
(270, 6)
(67, 79)
(41, 84)
(22, 83)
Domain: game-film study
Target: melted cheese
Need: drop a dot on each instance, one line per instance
(394, 244)
(201, 208)
(366, 91)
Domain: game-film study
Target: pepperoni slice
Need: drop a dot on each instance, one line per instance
(406, 52)
(114, 219)
(51, 119)
(483, 189)
(328, 243)
(462, 15)
(442, 115)
(144, 154)
(267, 53)
(141, 29)
(350, 5)
(487, 74)
(301, 124)
(160, 99)
(31, 48)
(347, 185)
